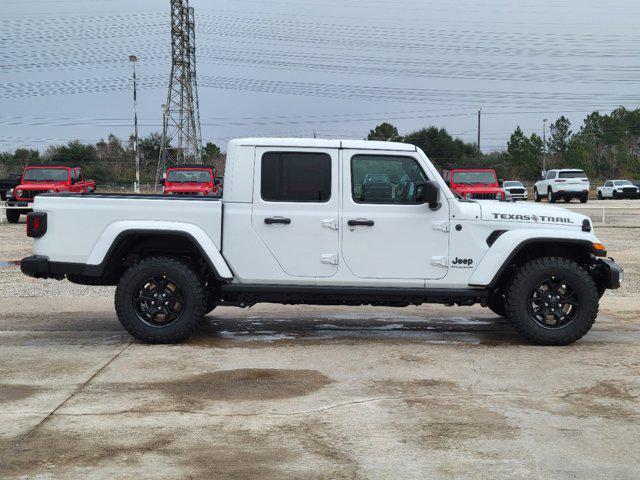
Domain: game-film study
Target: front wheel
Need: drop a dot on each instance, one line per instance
(13, 216)
(160, 300)
(536, 197)
(599, 196)
(495, 302)
(552, 301)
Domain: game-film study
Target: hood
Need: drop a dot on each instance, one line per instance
(544, 216)
(477, 188)
(187, 187)
(43, 185)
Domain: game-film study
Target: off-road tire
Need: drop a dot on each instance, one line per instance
(551, 196)
(192, 290)
(495, 303)
(13, 216)
(536, 197)
(528, 277)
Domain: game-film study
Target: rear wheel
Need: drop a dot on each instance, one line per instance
(552, 301)
(567, 199)
(584, 198)
(160, 300)
(13, 216)
(551, 196)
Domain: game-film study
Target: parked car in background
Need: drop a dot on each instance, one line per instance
(39, 179)
(474, 183)
(617, 189)
(514, 190)
(9, 183)
(566, 183)
(193, 180)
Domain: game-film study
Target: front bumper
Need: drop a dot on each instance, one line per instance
(19, 204)
(611, 273)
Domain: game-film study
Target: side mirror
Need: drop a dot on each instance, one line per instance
(428, 192)
(162, 181)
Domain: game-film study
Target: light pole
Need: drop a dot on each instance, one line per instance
(544, 145)
(133, 59)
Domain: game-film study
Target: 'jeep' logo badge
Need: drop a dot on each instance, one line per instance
(462, 262)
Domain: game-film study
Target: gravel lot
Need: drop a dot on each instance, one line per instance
(279, 392)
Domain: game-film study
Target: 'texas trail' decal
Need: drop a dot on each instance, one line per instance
(531, 218)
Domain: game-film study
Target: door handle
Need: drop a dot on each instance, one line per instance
(361, 223)
(274, 220)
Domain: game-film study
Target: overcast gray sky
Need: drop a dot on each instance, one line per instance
(339, 67)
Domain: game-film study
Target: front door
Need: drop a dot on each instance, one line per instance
(295, 208)
(387, 232)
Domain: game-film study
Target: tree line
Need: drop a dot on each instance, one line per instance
(604, 146)
(107, 161)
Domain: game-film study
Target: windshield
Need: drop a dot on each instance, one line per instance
(623, 182)
(573, 174)
(475, 177)
(513, 184)
(46, 174)
(187, 176)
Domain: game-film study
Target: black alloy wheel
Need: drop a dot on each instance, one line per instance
(553, 303)
(159, 302)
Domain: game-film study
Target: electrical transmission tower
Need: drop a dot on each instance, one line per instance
(181, 139)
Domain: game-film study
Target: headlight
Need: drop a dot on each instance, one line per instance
(498, 196)
(200, 194)
(51, 191)
(468, 196)
(18, 192)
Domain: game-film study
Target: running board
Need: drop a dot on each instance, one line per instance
(246, 295)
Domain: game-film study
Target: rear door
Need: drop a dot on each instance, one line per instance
(386, 232)
(296, 204)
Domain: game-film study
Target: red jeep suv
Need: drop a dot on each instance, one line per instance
(474, 183)
(191, 180)
(38, 179)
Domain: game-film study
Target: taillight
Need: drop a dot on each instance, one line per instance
(560, 181)
(36, 224)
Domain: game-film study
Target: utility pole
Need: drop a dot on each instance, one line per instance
(133, 59)
(544, 145)
(479, 121)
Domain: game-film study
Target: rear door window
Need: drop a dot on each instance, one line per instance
(296, 177)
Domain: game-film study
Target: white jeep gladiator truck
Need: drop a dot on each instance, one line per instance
(298, 223)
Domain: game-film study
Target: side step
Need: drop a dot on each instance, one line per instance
(246, 295)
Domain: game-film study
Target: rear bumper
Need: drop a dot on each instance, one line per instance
(38, 266)
(612, 274)
(569, 192)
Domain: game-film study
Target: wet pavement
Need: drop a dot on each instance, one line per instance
(278, 392)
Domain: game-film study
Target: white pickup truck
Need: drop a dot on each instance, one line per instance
(299, 224)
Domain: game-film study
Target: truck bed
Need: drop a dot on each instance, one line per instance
(80, 228)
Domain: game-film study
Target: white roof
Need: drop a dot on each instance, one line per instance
(323, 143)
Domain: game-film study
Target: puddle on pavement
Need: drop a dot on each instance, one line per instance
(271, 331)
(14, 393)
